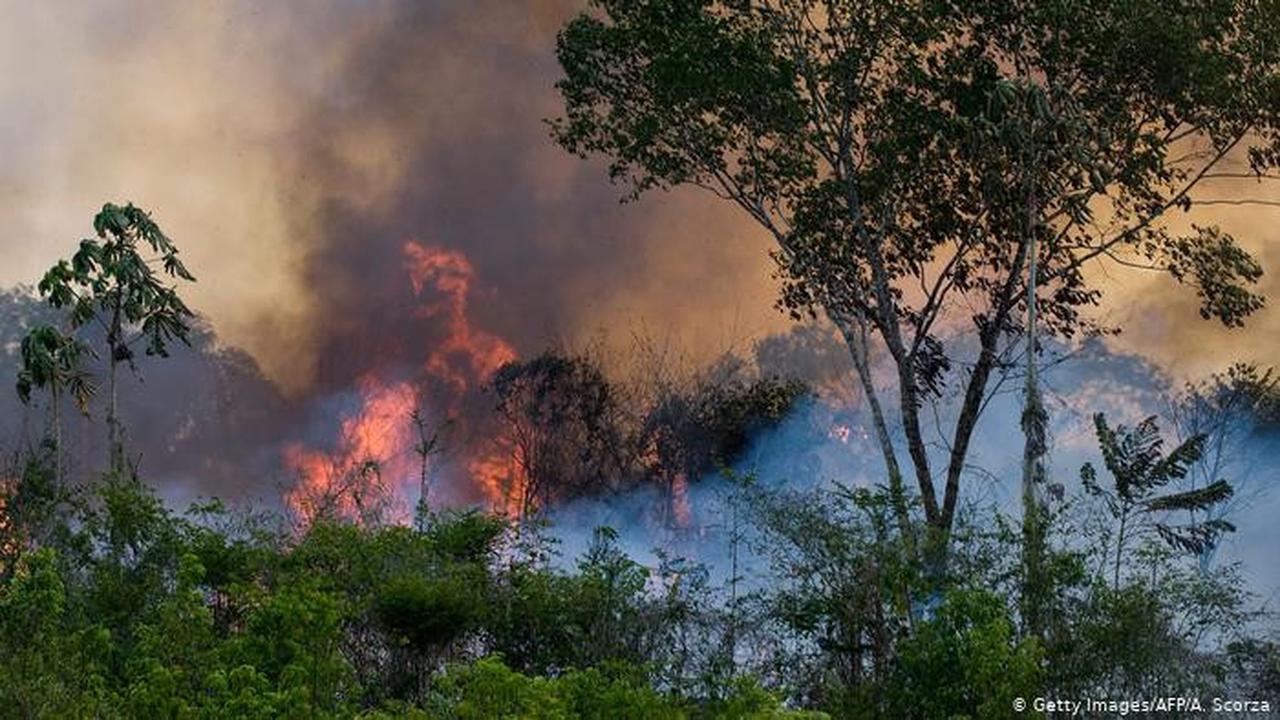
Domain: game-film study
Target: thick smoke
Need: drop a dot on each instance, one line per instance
(291, 153)
(825, 445)
(292, 150)
(202, 421)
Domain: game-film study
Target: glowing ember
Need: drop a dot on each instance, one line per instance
(681, 509)
(841, 433)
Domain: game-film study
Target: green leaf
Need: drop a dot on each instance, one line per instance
(1198, 499)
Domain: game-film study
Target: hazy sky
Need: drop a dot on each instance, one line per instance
(291, 152)
(290, 148)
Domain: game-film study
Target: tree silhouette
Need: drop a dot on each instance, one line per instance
(113, 281)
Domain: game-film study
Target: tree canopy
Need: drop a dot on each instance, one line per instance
(903, 156)
(117, 280)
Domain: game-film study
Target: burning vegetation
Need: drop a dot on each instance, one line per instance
(853, 519)
(373, 468)
(551, 429)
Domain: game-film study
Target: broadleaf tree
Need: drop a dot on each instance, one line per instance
(905, 155)
(119, 282)
(55, 361)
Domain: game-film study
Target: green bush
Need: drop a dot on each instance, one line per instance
(965, 662)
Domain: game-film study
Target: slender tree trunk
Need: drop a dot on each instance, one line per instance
(424, 506)
(1033, 428)
(116, 349)
(731, 639)
(887, 323)
(855, 336)
(939, 520)
(989, 331)
(1115, 582)
(115, 453)
(56, 397)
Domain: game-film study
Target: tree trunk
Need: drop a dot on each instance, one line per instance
(854, 332)
(115, 449)
(424, 506)
(975, 393)
(57, 438)
(1033, 428)
(1124, 518)
(117, 352)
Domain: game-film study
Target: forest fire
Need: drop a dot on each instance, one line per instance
(374, 446)
(7, 544)
(374, 469)
(681, 505)
(467, 355)
(924, 370)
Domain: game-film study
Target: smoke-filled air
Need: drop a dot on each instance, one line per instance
(639, 358)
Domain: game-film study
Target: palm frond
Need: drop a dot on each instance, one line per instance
(1198, 499)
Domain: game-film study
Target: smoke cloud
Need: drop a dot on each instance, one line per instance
(293, 149)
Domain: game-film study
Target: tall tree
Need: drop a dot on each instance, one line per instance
(54, 361)
(883, 145)
(118, 282)
(564, 421)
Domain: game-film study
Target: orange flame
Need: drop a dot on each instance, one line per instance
(351, 483)
(681, 506)
(501, 479)
(467, 355)
(374, 461)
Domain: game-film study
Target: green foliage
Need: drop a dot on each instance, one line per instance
(112, 281)
(293, 638)
(965, 662)
(129, 611)
(53, 360)
(489, 689)
(529, 619)
(609, 604)
(111, 276)
(543, 620)
(1139, 469)
(465, 537)
(33, 505)
(429, 613)
(40, 648)
(905, 156)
